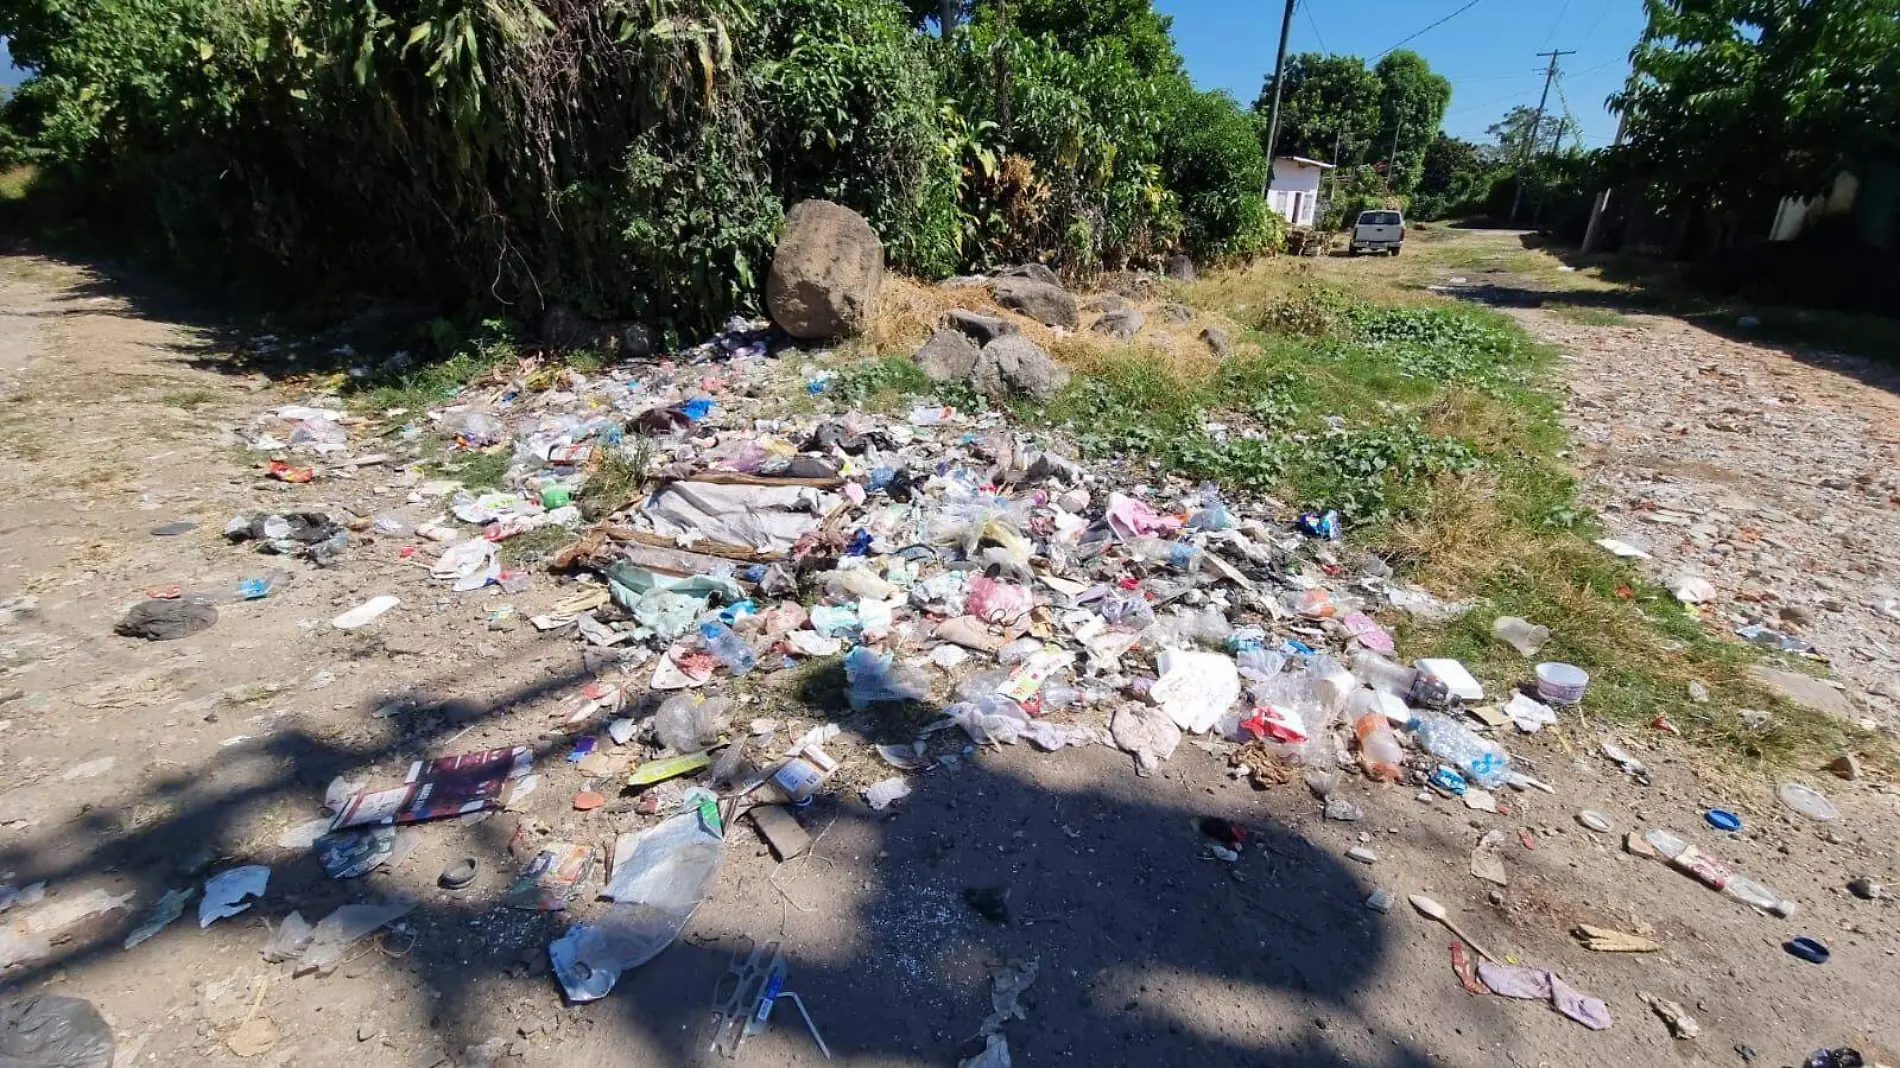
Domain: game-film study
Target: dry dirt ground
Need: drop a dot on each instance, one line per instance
(131, 768)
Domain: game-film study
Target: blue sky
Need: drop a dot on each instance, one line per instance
(1488, 52)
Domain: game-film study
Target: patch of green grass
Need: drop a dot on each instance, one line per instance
(1585, 315)
(477, 469)
(432, 384)
(891, 382)
(534, 545)
(189, 398)
(619, 476)
(15, 182)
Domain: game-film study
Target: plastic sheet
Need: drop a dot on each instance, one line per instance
(670, 871)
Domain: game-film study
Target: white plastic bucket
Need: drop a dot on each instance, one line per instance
(1561, 684)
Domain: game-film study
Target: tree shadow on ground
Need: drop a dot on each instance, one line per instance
(1864, 347)
(229, 332)
(1151, 952)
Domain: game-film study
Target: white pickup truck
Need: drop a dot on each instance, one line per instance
(1378, 230)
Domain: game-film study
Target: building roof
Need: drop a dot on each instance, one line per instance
(1305, 162)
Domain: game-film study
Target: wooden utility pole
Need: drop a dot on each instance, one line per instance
(1279, 76)
(1392, 158)
(1530, 143)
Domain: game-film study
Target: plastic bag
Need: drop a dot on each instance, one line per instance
(875, 677)
(1195, 689)
(49, 1031)
(670, 871)
(990, 720)
(968, 523)
(999, 602)
(686, 724)
(319, 430)
(476, 429)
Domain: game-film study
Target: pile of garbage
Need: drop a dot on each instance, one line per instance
(955, 577)
(973, 577)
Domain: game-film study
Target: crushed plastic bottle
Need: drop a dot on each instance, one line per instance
(1178, 555)
(1480, 758)
(731, 650)
(1382, 674)
(1685, 857)
(1379, 751)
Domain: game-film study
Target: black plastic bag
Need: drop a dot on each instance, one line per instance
(49, 1031)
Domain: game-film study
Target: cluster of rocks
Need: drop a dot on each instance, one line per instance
(824, 281)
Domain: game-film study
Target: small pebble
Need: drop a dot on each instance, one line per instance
(1362, 854)
(1380, 901)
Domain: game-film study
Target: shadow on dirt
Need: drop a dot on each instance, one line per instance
(1151, 953)
(1858, 346)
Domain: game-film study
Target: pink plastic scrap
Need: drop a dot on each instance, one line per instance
(999, 602)
(1369, 633)
(1536, 984)
(1132, 518)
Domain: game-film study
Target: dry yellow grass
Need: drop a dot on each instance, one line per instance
(908, 312)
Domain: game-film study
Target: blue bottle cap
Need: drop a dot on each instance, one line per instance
(1808, 950)
(1723, 820)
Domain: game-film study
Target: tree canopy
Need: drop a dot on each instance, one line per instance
(1329, 101)
(1412, 103)
(1334, 99)
(1516, 139)
(1736, 101)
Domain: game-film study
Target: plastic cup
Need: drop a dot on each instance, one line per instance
(1561, 684)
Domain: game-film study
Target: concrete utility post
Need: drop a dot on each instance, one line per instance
(1550, 75)
(1279, 76)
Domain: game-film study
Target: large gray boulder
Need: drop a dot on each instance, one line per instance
(1015, 364)
(826, 272)
(1048, 304)
(1804, 690)
(948, 356)
(979, 328)
(1035, 272)
(1121, 323)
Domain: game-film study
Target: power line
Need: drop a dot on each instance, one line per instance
(1315, 25)
(1428, 29)
(1488, 103)
(1561, 12)
(1599, 21)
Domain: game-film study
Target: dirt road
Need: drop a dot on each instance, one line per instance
(135, 768)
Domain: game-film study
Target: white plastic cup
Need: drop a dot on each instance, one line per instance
(1561, 684)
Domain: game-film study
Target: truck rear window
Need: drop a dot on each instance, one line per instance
(1379, 218)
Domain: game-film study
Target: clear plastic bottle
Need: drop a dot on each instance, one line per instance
(1178, 555)
(1379, 750)
(1483, 760)
(732, 650)
(1382, 674)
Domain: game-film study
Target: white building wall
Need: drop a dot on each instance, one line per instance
(1295, 191)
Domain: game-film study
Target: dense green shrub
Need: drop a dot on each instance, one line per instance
(1211, 154)
(631, 158)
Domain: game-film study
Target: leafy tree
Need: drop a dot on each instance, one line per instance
(1215, 166)
(1515, 141)
(1456, 177)
(1737, 102)
(1329, 101)
(1131, 26)
(1412, 103)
